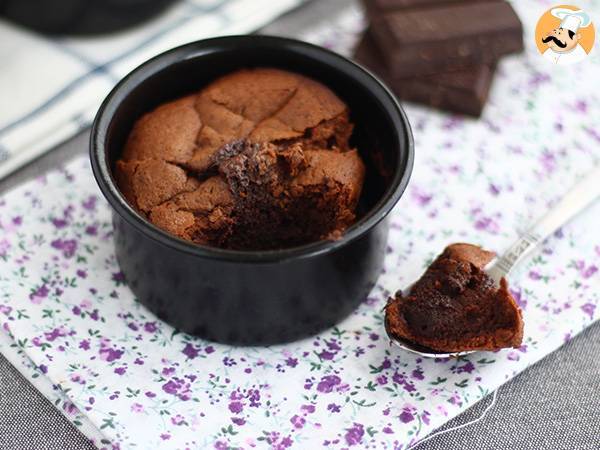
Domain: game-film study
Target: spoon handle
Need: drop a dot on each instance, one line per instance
(581, 195)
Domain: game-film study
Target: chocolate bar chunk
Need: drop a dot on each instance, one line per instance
(450, 37)
(463, 91)
(375, 6)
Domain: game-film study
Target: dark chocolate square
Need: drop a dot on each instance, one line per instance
(464, 91)
(451, 36)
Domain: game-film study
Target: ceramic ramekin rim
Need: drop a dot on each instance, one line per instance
(103, 173)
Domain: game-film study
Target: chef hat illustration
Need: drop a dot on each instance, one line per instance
(571, 20)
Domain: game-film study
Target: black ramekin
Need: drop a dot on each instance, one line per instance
(261, 297)
(80, 17)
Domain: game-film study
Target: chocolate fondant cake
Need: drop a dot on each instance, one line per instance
(455, 306)
(259, 159)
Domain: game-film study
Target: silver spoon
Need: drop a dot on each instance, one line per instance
(581, 195)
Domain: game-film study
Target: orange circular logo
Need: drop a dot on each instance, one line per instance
(565, 34)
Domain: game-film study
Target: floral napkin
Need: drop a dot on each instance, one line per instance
(128, 380)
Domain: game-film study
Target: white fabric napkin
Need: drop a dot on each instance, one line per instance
(51, 88)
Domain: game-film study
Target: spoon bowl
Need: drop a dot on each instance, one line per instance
(580, 196)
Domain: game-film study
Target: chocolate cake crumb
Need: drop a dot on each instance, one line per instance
(455, 306)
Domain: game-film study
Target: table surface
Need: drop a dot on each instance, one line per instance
(552, 405)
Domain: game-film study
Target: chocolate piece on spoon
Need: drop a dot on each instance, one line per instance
(456, 306)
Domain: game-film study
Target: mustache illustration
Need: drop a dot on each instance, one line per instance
(556, 41)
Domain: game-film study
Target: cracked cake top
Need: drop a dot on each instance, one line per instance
(284, 136)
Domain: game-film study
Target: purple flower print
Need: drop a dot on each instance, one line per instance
(409, 387)
(68, 246)
(236, 407)
(417, 374)
(538, 78)
(179, 388)
(548, 161)
(408, 413)
(69, 408)
(326, 356)
(150, 327)
(119, 278)
(238, 421)
(55, 333)
(90, 203)
(178, 420)
(333, 408)
(589, 309)
(522, 348)
(487, 224)
(452, 123)
(91, 230)
(291, 362)
(406, 416)
(4, 247)
(333, 345)
(398, 378)
(276, 442)
(381, 380)
(468, 367)
(455, 399)
(190, 351)
(328, 383)
(229, 362)
(589, 271)
(308, 409)
(168, 371)
(137, 408)
(354, 434)
(253, 396)
(297, 421)
(581, 106)
(512, 356)
(39, 294)
(59, 223)
(421, 197)
(109, 354)
(534, 275)
(595, 134)
(425, 417)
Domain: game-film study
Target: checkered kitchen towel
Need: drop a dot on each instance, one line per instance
(51, 88)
